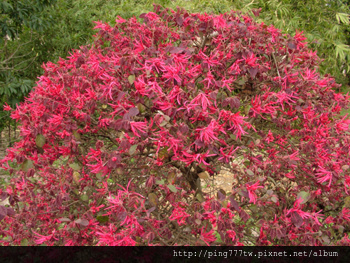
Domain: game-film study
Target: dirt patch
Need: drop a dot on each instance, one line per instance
(224, 180)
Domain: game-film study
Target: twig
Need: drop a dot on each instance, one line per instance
(273, 55)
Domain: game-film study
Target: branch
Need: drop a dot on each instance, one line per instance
(273, 55)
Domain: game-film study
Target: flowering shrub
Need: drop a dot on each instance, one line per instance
(117, 139)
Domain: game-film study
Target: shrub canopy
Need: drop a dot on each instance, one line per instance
(118, 139)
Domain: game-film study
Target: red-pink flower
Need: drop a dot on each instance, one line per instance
(251, 191)
(120, 20)
(7, 107)
(300, 37)
(208, 134)
(55, 119)
(324, 176)
(179, 214)
(346, 214)
(41, 239)
(343, 124)
(201, 99)
(138, 127)
(225, 157)
(199, 157)
(207, 237)
(251, 59)
(231, 234)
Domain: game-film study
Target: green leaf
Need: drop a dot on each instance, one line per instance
(242, 81)
(132, 149)
(76, 135)
(204, 175)
(84, 198)
(160, 182)
(26, 165)
(304, 196)
(200, 197)
(153, 199)
(171, 177)
(82, 222)
(163, 153)
(75, 166)
(342, 17)
(24, 242)
(218, 237)
(341, 50)
(40, 140)
(102, 219)
(247, 109)
(172, 188)
(131, 79)
(76, 177)
(250, 172)
(99, 176)
(274, 199)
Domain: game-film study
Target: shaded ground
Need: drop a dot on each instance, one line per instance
(4, 144)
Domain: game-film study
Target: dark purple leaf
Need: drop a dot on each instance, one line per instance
(292, 45)
(10, 211)
(256, 12)
(253, 72)
(213, 95)
(133, 112)
(184, 129)
(218, 83)
(215, 205)
(179, 20)
(121, 94)
(244, 193)
(125, 144)
(80, 61)
(121, 216)
(297, 220)
(111, 164)
(221, 195)
(3, 211)
(225, 102)
(199, 143)
(233, 203)
(149, 211)
(279, 234)
(176, 50)
(243, 215)
(203, 26)
(150, 236)
(3, 195)
(82, 222)
(214, 149)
